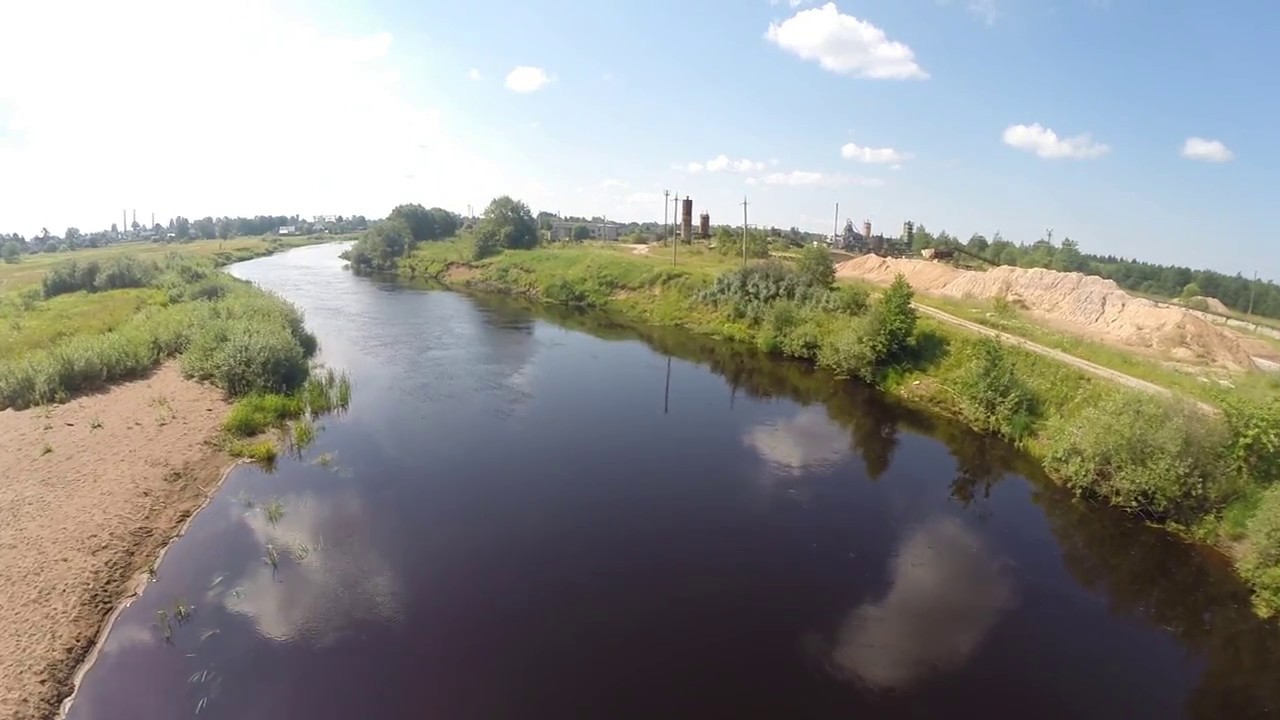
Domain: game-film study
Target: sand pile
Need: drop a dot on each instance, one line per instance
(1084, 303)
(1213, 305)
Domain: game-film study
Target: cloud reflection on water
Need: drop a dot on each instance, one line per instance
(341, 578)
(946, 594)
(806, 441)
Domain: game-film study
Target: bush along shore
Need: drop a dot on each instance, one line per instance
(226, 332)
(1209, 477)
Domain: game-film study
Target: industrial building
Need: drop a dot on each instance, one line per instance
(563, 230)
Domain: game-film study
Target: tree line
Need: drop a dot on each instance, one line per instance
(179, 229)
(1171, 281)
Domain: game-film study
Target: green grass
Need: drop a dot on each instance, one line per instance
(31, 268)
(50, 321)
(263, 452)
(256, 413)
(238, 337)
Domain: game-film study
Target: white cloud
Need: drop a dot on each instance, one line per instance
(878, 156)
(527, 79)
(1197, 148)
(1045, 143)
(723, 163)
(181, 104)
(844, 44)
(790, 3)
(474, 74)
(611, 184)
(797, 178)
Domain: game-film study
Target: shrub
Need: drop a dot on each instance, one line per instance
(1253, 431)
(125, 271)
(992, 397)
(1260, 556)
(1156, 458)
(486, 243)
(849, 351)
(815, 267)
(69, 276)
(246, 357)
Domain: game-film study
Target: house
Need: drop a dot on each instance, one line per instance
(287, 230)
(562, 230)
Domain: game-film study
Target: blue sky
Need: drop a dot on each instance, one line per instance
(317, 108)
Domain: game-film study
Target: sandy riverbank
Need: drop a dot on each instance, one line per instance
(91, 490)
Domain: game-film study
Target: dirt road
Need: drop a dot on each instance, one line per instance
(1094, 368)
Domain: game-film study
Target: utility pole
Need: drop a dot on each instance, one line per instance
(675, 217)
(1252, 286)
(744, 231)
(666, 194)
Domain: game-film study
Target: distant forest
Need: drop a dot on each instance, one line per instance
(1170, 281)
(13, 246)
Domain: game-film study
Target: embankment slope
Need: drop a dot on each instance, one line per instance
(1084, 304)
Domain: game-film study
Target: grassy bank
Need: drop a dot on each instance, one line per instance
(98, 318)
(1207, 477)
(31, 269)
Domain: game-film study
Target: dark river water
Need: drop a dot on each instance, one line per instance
(526, 515)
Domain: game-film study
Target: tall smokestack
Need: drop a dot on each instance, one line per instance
(686, 221)
(135, 217)
(866, 229)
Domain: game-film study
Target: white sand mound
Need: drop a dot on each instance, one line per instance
(1088, 304)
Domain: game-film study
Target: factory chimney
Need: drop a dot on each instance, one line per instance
(686, 220)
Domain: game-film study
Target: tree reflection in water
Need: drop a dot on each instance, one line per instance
(1145, 573)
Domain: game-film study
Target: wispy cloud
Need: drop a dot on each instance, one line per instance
(1045, 143)
(724, 163)
(875, 156)
(474, 74)
(800, 178)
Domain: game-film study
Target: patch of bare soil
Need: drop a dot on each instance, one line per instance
(1084, 304)
(91, 490)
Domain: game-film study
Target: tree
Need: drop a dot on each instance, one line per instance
(114, 230)
(1191, 290)
(381, 246)
(181, 228)
(509, 224)
(815, 266)
(581, 232)
(206, 229)
(893, 320)
(10, 252)
(418, 219)
(978, 244)
(446, 223)
(72, 236)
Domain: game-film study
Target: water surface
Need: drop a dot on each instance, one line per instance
(547, 516)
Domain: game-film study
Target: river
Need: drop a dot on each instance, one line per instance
(532, 515)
